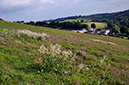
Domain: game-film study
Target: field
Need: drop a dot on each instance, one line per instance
(32, 55)
(99, 25)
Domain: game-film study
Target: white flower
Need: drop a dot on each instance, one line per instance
(55, 50)
(87, 68)
(100, 41)
(80, 66)
(31, 34)
(41, 70)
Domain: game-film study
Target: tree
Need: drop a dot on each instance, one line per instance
(93, 26)
(115, 29)
(85, 26)
(82, 20)
(38, 23)
(124, 29)
(32, 23)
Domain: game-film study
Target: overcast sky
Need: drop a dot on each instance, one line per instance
(38, 10)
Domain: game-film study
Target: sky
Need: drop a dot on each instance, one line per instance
(39, 10)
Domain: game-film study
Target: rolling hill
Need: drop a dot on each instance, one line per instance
(40, 55)
(96, 16)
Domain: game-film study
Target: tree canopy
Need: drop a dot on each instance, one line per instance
(93, 25)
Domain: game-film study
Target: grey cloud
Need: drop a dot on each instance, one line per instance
(46, 9)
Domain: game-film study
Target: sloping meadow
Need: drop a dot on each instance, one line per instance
(37, 55)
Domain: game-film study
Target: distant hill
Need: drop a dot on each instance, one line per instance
(1, 19)
(97, 16)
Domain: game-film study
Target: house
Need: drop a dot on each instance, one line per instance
(80, 31)
(91, 30)
(104, 31)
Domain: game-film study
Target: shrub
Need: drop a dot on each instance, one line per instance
(111, 35)
(122, 37)
(128, 37)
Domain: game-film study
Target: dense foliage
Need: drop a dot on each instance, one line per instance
(60, 25)
(93, 26)
(118, 23)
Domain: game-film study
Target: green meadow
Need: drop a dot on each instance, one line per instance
(31, 55)
(99, 25)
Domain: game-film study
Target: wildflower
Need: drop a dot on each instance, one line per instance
(41, 70)
(38, 71)
(35, 35)
(2, 38)
(80, 66)
(57, 57)
(100, 41)
(103, 59)
(87, 68)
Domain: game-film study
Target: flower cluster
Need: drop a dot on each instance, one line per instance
(55, 50)
(80, 66)
(56, 59)
(8, 32)
(33, 35)
(102, 62)
(103, 59)
(100, 41)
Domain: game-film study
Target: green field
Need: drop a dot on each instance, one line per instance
(31, 55)
(99, 25)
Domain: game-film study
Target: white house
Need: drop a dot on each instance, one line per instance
(104, 31)
(80, 31)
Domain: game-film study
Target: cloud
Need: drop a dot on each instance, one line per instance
(47, 9)
(47, 1)
(13, 3)
(76, 1)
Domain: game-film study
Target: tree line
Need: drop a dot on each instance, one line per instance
(74, 25)
(117, 25)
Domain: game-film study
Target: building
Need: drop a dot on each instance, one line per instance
(104, 31)
(80, 31)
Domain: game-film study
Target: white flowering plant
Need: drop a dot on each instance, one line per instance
(100, 41)
(26, 34)
(32, 35)
(7, 32)
(54, 59)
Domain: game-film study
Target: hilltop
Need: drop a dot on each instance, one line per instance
(96, 16)
(42, 55)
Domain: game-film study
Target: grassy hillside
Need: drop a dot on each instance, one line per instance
(60, 57)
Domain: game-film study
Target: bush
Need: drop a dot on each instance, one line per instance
(128, 37)
(122, 37)
(111, 35)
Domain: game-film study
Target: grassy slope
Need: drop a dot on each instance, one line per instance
(17, 56)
